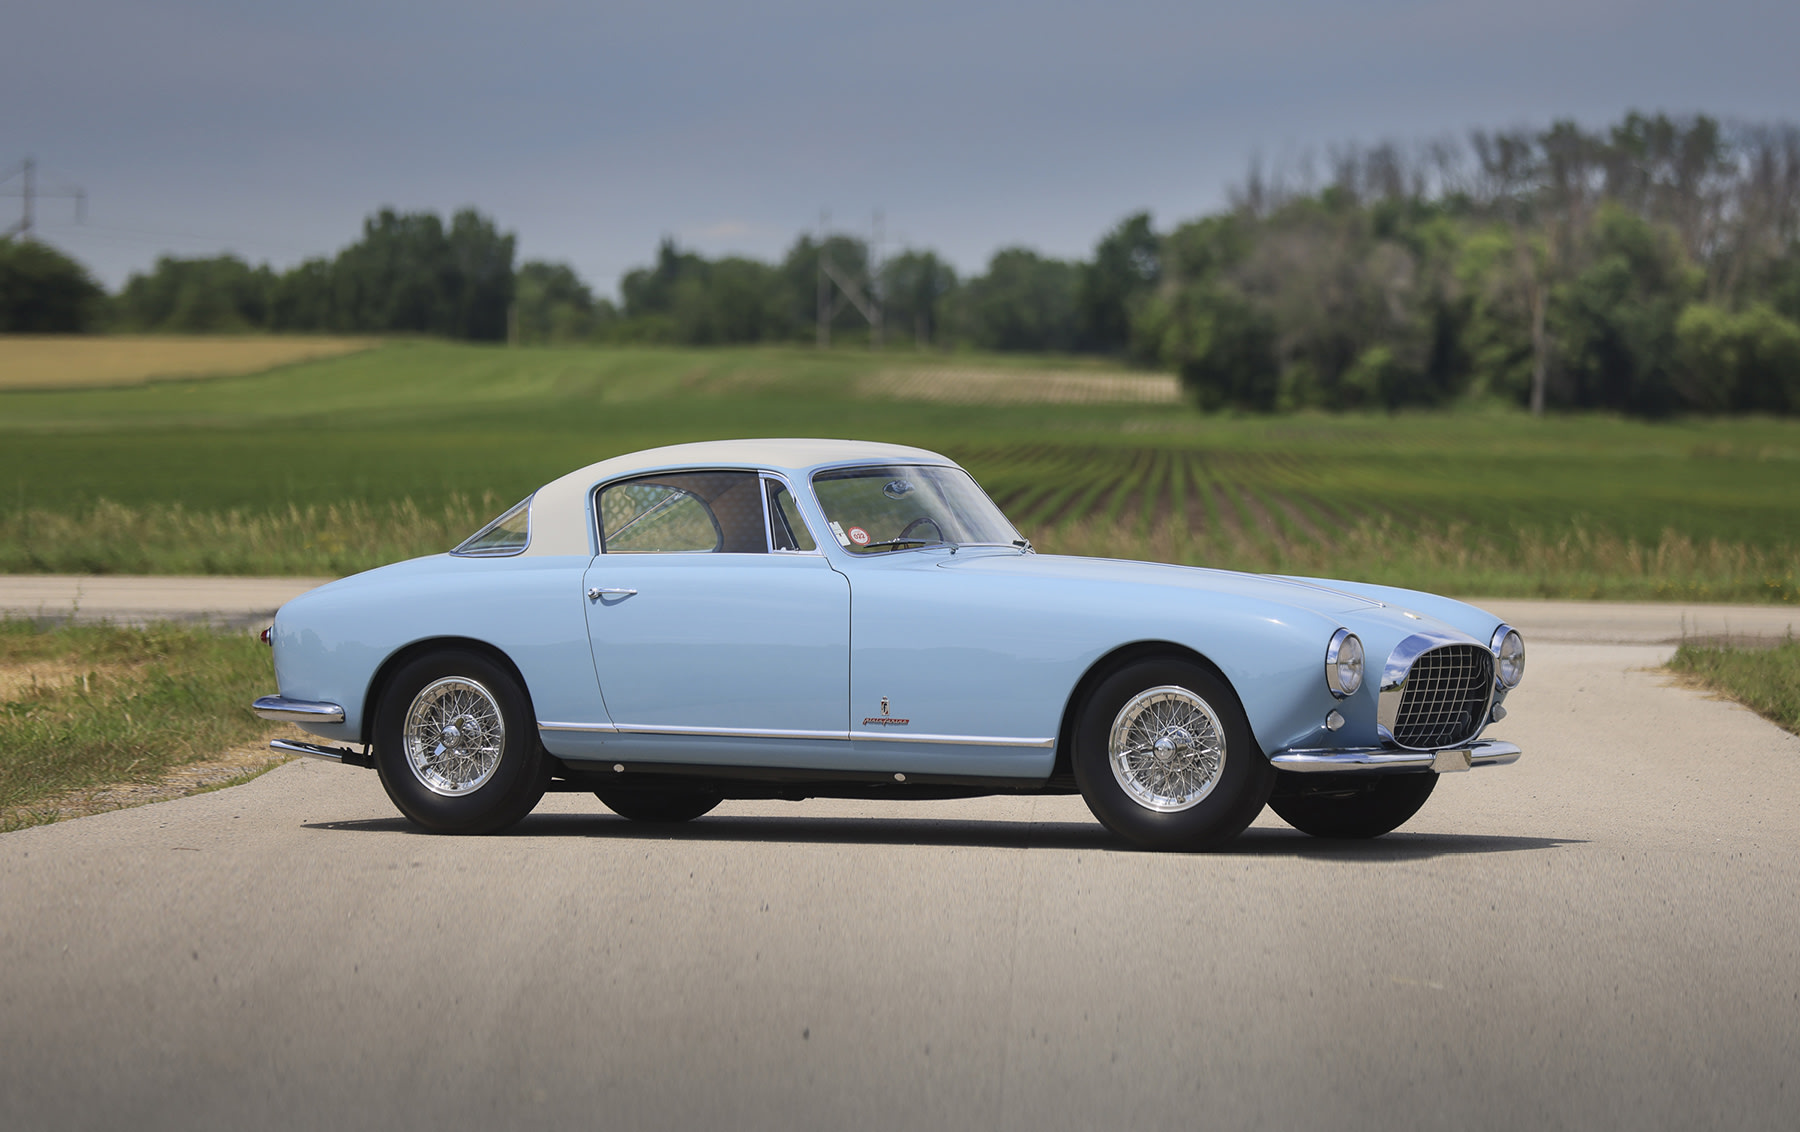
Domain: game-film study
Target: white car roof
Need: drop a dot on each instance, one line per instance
(559, 512)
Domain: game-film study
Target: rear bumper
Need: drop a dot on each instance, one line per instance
(283, 710)
(1487, 752)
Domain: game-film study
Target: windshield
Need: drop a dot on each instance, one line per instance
(877, 510)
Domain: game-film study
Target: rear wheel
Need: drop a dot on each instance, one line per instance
(658, 805)
(1350, 806)
(455, 744)
(1165, 759)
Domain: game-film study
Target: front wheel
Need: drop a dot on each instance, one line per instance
(1351, 806)
(1165, 759)
(456, 747)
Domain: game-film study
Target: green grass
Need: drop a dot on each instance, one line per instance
(91, 705)
(1765, 680)
(335, 465)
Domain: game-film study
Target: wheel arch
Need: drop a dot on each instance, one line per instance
(405, 655)
(1112, 662)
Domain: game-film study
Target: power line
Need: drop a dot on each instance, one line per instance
(30, 192)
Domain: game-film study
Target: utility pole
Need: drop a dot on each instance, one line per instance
(875, 312)
(30, 193)
(850, 291)
(825, 311)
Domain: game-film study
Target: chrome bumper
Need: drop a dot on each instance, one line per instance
(1487, 752)
(283, 710)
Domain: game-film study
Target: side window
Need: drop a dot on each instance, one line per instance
(787, 530)
(683, 513)
(508, 534)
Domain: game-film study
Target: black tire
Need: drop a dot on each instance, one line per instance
(494, 793)
(665, 806)
(1227, 795)
(1350, 806)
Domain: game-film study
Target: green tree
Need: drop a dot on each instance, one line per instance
(1025, 301)
(917, 288)
(1124, 272)
(1744, 361)
(1615, 321)
(212, 295)
(43, 291)
(552, 305)
(409, 273)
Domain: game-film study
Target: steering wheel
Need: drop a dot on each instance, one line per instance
(910, 527)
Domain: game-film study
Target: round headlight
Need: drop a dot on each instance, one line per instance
(1344, 664)
(1509, 656)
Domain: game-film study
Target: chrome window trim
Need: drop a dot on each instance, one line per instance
(505, 552)
(769, 523)
(597, 535)
(813, 474)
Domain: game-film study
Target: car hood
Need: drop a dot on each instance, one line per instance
(1256, 587)
(1382, 614)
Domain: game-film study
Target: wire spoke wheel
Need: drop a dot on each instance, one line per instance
(1166, 749)
(454, 735)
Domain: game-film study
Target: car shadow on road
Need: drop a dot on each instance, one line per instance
(970, 834)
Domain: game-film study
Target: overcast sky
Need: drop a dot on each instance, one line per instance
(593, 129)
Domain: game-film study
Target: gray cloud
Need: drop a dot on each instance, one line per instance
(272, 129)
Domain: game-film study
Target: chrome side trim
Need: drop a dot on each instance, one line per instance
(667, 729)
(777, 733)
(283, 710)
(1487, 752)
(957, 740)
(727, 732)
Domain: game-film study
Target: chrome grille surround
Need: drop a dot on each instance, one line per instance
(1436, 691)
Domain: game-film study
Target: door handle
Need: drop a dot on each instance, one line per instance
(596, 592)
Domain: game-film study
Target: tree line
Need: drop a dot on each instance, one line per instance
(1651, 267)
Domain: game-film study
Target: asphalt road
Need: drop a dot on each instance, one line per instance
(1604, 935)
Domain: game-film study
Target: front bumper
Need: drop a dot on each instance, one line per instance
(283, 710)
(1487, 752)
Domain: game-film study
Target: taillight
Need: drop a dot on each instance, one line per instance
(268, 636)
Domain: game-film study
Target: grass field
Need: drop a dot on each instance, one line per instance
(337, 464)
(91, 705)
(1766, 680)
(70, 361)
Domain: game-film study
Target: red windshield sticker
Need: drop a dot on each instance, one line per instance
(859, 536)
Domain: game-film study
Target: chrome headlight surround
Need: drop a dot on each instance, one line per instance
(1344, 664)
(1509, 656)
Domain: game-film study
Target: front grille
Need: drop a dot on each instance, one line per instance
(1445, 698)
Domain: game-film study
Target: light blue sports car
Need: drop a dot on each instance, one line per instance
(805, 618)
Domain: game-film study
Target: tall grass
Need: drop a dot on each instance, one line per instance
(106, 705)
(327, 539)
(1575, 562)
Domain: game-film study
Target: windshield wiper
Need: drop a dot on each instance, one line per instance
(899, 542)
(1024, 545)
